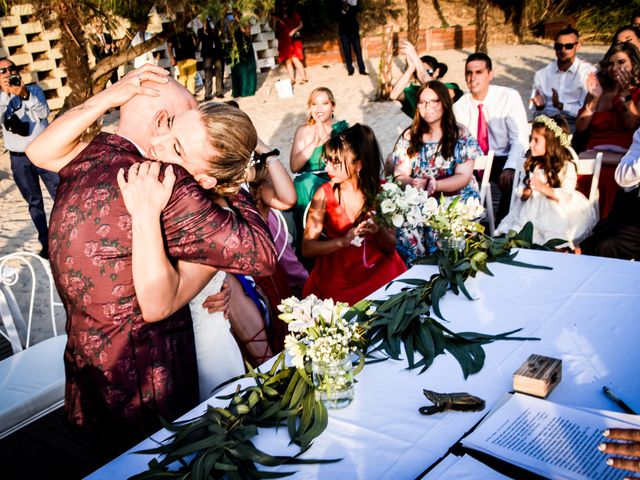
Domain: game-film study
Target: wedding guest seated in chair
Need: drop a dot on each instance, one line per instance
(435, 154)
(611, 113)
(356, 256)
(547, 196)
(561, 87)
(618, 235)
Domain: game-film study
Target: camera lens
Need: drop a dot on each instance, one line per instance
(15, 80)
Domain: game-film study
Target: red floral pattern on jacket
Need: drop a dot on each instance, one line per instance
(122, 373)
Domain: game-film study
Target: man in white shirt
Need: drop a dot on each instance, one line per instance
(497, 118)
(561, 87)
(618, 235)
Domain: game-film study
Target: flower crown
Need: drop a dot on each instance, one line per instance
(550, 123)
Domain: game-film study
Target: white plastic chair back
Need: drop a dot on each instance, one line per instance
(517, 178)
(484, 164)
(32, 379)
(12, 267)
(591, 166)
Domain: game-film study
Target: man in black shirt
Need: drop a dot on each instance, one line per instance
(212, 57)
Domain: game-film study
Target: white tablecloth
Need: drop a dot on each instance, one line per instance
(586, 312)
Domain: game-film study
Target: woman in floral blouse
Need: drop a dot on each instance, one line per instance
(435, 154)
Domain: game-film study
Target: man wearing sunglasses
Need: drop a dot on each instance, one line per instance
(23, 112)
(560, 87)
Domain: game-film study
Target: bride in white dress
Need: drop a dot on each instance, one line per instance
(217, 351)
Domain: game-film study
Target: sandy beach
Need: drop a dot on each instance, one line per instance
(276, 120)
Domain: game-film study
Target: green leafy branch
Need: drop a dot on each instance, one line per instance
(405, 317)
(219, 443)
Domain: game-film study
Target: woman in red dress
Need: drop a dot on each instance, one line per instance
(611, 114)
(288, 25)
(356, 256)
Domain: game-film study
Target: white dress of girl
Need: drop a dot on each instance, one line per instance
(217, 352)
(571, 218)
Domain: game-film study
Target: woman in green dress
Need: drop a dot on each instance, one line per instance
(244, 78)
(306, 151)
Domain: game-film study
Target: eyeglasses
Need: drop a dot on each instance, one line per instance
(567, 46)
(7, 69)
(429, 103)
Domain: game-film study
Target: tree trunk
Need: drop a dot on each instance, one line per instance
(74, 51)
(482, 8)
(102, 71)
(413, 21)
(386, 60)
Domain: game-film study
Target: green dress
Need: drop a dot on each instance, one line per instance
(311, 176)
(410, 99)
(244, 78)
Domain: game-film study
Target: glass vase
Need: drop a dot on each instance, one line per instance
(334, 382)
(449, 243)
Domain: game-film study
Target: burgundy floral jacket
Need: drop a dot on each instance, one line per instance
(122, 373)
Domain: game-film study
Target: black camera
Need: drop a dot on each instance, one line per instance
(15, 80)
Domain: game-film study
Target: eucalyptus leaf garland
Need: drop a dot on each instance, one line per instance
(219, 443)
(405, 317)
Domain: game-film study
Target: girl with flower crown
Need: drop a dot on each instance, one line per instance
(547, 195)
(355, 255)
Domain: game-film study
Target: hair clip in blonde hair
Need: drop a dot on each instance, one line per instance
(550, 123)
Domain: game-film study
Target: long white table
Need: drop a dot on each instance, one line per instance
(586, 311)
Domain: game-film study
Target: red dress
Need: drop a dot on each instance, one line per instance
(123, 373)
(343, 275)
(287, 46)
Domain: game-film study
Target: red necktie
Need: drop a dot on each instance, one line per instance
(483, 131)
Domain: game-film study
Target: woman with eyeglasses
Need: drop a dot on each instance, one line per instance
(435, 154)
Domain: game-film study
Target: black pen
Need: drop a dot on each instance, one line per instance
(612, 396)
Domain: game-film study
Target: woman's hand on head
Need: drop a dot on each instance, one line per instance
(144, 195)
(140, 81)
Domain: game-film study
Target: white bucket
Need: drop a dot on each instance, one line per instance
(284, 88)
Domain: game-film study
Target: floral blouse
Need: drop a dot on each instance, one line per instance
(429, 162)
(123, 373)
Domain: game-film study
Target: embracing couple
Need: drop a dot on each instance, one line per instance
(130, 355)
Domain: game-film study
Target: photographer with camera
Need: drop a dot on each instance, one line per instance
(23, 112)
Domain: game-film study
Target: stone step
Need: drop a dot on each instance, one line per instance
(9, 21)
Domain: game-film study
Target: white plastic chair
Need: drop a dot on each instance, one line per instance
(517, 177)
(32, 379)
(484, 164)
(591, 166)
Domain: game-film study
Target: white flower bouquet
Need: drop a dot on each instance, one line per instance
(400, 208)
(320, 336)
(454, 219)
(318, 331)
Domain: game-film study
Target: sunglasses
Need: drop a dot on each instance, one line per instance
(567, 46)
(7, 69)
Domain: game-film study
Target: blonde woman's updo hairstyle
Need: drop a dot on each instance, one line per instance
(312, 96)
(233, 138)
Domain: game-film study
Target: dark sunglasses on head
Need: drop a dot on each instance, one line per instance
(567, 46)
(7, 69)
